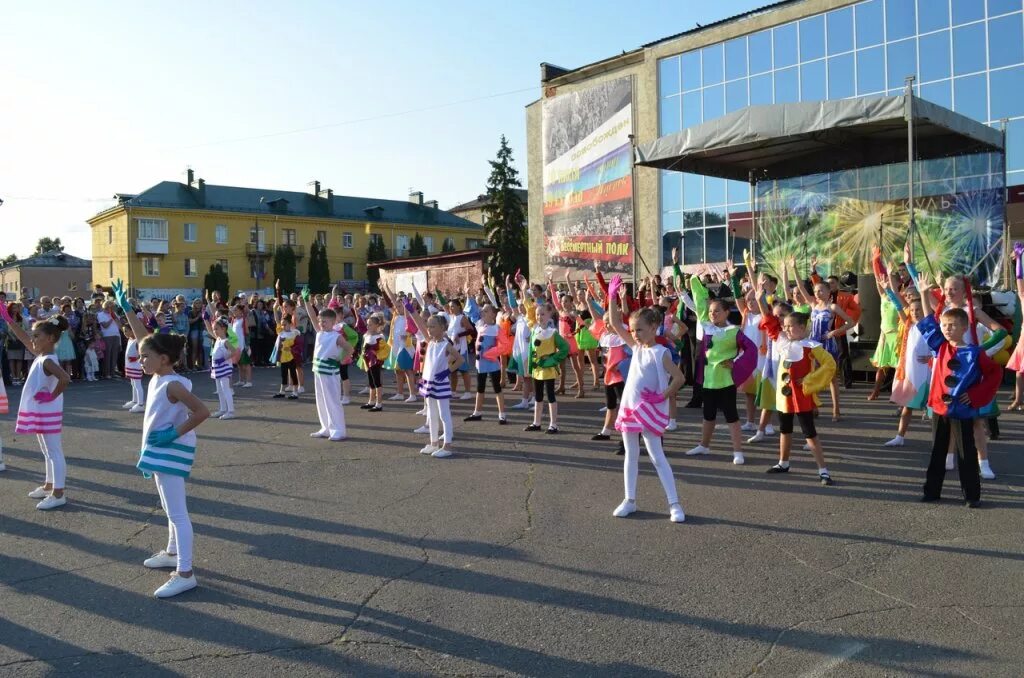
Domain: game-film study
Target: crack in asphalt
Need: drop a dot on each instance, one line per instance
(830, 573)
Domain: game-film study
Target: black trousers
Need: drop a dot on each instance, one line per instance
(5, 366)
(845, 363)
(961, 430)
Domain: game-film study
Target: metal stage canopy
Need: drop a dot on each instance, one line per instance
(781, 141)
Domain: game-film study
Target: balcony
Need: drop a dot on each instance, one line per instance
(258, 250)
(300, 250)
(149, 246)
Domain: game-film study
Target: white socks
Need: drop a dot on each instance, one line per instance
(737, 458)
(895, 442)
(672, 425)
(757, 437)
(950, 461)
(986, 470)
(607, 431)
(768, 430)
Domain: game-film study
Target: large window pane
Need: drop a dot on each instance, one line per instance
(840, 77)
(714, 244)
(692, 109)
(760, 47)
(671, 221)
(1005, 41)
(669, 118)
(901, 61)
(966, 10)
(934, 50)
(1007, 88)
(787, 89)
(693, 247)
(996, 7)
(869, 23)
(712, 68)
(714, 102)
(735, 95)
(735, 58)
(812, 81)
(714, 217)
(968, 49)
(970, 96)
(671, 190)
(761, 89)
(899, 19)
(931, 15)
(971, 165)
(870, 71)
(812, 38)
(714, 191)
(690, 68)
(738, 192)
(840, 30)
(693, 191)
(1015, 146)
(940, 93)
(785, 42)
(668, 76)
(669, 241)
(693, 220)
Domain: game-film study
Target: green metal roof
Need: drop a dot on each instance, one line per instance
(175, 195)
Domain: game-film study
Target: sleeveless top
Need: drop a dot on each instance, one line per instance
(436, 382)
(37, 417)
(325, 354)
(220, 359)
(821, 324)
(643, 407)
(486, 339)
(176, 457)
(454, 330)
(132, 366)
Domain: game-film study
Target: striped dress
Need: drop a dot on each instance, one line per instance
(220, 359)
(4, 405)
(436, 382)
(37, 417)
(326, 353)
(174, 458)
(132, 366)
(644, 408)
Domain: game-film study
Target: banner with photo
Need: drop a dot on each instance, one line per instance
(588, 180)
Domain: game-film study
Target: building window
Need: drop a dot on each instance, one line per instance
(321, 238)
(377, 238)
(110, 269)
(223, 263)
(150, 266)
(190, 232)
(401, 245)
(449, 244)
(428, 241)
(222, 234)
(347, 270)
(191, 270)
(259, 271)
(346, 240)
(110, 235)
(258, 237)
(474, 243)
(152, 229)
(289, 237)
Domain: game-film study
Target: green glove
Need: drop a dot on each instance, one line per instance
(305, 293)
(120, 297)
(162, 437)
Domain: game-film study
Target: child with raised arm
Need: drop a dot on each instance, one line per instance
(653, 378)
(1016, 362)
(133, 369)
(547, 352)
(439, 361)
(491, 345)
(328, 352)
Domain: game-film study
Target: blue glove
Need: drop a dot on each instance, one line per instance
(120, 297)
(162, 437)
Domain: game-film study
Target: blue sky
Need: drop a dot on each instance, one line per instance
(107, 97)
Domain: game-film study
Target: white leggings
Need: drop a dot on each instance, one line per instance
(631, 441)
(53, 453)
(439, 411)
(227, 401)
(179, 526)
(138, 395)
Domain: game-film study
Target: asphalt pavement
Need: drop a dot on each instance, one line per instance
(365, 558)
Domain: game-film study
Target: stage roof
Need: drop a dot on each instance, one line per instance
(781, 141)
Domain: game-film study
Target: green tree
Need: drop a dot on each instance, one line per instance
(375, 251)
(319, 269)
(217, 280)
(285, 268)
(9, 259)
(448, 245)
(418, 248)
(505, 217)
(49, 245)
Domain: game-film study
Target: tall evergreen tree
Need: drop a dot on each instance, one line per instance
(418, 248)
(319, 269)
(375, 251)
(505, 217)
(285, 268)
(217, 281)
(448, 245)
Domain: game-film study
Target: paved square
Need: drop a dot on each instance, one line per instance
(365, 558)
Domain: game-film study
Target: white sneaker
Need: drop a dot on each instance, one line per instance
(625, 508)
(216, 415)
(521, 405)
(807, 447)
(757, 437)
(238, 383)
(52, 502)
(39, 493)
(466, 396)
(412, 399)
(986, 470)
(737, 458)
(748, 426)
(175, 585)
(672, 425)
(895, 442)
(768, 430)
(950, 461)
(3, 467)
(700, 449)
(429, 448)
(397, 396)
(247, 384)
(162, 559)
(300, 390)
(226, 416)
(138, 409)
(422, 429)
(422, 411)
(318, 434)
(129, 405)
(602, 410)
(346, 401)
(675, 513)
(365, 390)
(441, 453)
(336, 439)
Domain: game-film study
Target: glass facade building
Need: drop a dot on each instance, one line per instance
(967, 55)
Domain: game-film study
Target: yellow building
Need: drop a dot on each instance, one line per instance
(164, 240)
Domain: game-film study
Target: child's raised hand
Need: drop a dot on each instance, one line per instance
(614, 285)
